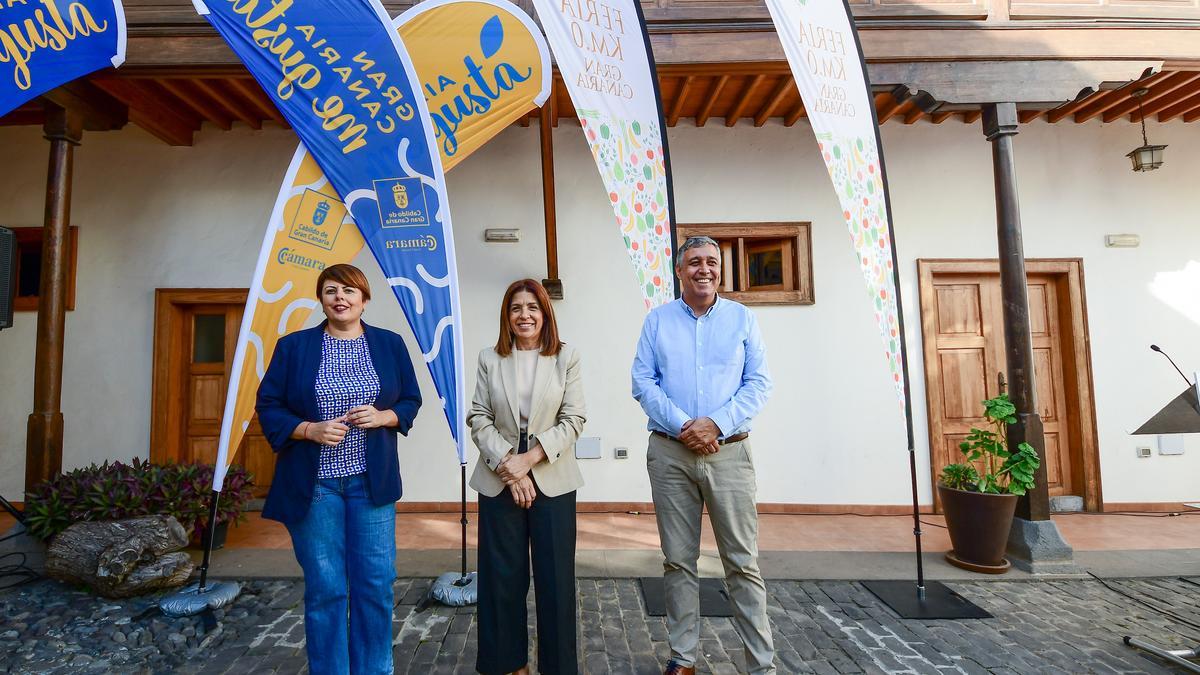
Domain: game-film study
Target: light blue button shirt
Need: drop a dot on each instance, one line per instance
(712, 366)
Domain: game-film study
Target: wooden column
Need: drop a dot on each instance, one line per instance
(546, 132)
(999, 126)
(44, 439)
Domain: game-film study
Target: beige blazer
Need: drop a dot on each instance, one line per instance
(555, 420)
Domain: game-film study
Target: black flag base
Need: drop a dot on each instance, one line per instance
(934, 601)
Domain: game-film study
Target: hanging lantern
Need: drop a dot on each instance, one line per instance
(1147, 157)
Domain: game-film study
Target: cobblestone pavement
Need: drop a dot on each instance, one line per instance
(823, 627)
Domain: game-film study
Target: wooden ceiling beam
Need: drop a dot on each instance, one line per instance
(680, 99)
(1027, 116)
(1068, 108)
(96, 107)
(890, 107)
(197, 103)
(732, 118)
(1105, 101)
(1193, 115)
(913, 115)
(971, 116)
(885, 106)
(1180, 108)
(1186, 91)
(150, 111)
(215, 90)
(1155, 93)
(249, 89)
(24, 115)
(938, 118)
(795, 114)
(706, 109)
(786, 85)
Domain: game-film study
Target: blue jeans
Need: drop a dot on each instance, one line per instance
(347, 548)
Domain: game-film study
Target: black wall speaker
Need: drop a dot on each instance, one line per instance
(8, 276)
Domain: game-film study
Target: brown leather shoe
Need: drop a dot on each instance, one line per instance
(675, 668)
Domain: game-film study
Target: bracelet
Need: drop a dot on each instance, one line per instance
(304, 431)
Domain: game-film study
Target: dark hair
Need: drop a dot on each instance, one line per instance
(551, 345)
(695, 242)
(346, 275)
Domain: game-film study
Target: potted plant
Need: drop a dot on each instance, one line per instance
(114, 491)
(979, 495)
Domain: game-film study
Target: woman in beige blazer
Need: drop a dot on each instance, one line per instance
(527, 413)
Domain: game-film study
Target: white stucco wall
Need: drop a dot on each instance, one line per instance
(153, 216)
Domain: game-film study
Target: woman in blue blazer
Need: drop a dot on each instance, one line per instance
(330, 405)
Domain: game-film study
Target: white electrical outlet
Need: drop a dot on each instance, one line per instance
(588, 447)
(621, 453)
(1170, 445)
(1143, 451)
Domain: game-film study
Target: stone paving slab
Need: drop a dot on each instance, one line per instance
(1067, 626)
(833, 565)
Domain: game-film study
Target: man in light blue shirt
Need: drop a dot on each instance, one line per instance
(700, 374)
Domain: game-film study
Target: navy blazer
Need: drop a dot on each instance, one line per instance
(287, 396)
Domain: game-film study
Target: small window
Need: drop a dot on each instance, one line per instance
(762, 263)
(208, 338)
(29, 267)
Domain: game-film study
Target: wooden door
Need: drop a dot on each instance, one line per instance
(962, 322)
(209, 338)
(195, 338)
(1050, 378)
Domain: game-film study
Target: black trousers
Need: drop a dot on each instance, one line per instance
(507, 535)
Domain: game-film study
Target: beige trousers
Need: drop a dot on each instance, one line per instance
(683, 483)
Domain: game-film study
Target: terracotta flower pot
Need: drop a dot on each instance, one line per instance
(979, 525)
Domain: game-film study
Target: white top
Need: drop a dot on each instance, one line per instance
(526, 369)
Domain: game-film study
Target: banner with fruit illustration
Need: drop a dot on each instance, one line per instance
(604, 55)
(822, 49)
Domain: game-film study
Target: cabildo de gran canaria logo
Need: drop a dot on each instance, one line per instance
(407, 206)
(484, 77)
(318, 220)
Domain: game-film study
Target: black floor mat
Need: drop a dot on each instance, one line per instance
(714, 601)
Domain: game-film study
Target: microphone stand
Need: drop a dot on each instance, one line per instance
(1160, 351)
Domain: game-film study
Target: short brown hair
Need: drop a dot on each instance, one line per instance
(551, 345)
(346, 275)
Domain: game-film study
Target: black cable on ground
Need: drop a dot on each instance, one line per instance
(14, 575)
(1155, 608)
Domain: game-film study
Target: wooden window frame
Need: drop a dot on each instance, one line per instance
(734, 238)
(32, 236)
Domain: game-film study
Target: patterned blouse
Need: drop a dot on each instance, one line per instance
(346, 378)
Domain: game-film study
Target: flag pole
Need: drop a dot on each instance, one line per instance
(934, 600)
(666, 150)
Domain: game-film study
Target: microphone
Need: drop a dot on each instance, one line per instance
(1160, 351)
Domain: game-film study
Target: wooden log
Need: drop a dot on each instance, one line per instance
(171, 570)
(121, 558)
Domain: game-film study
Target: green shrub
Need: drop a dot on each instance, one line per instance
(991, 466)
(117, 490)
